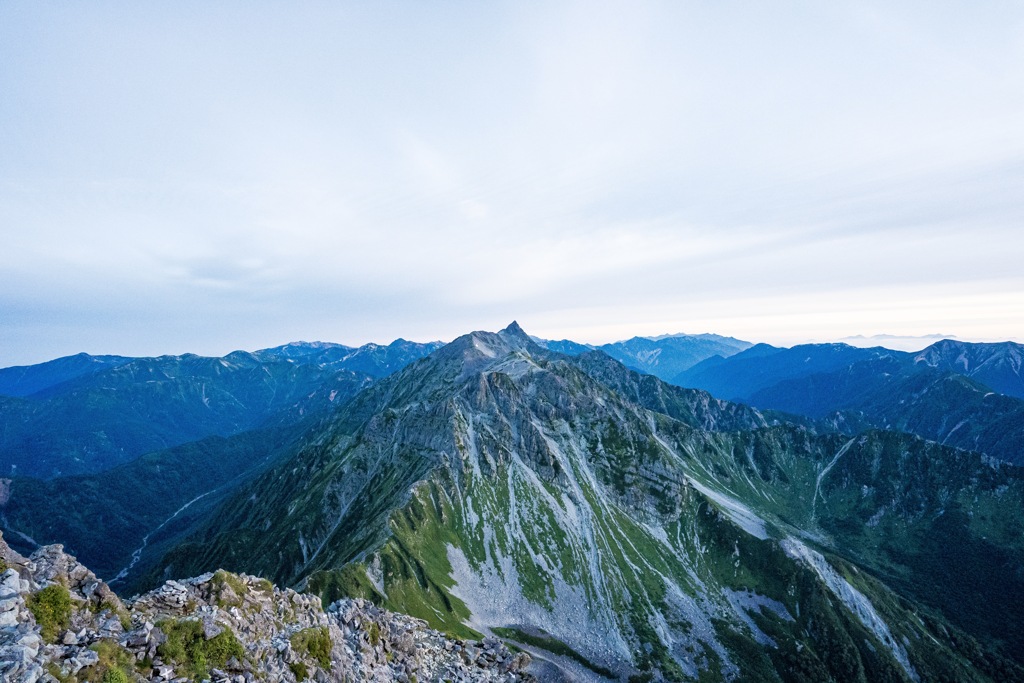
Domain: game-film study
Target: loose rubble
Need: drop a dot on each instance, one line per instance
(222, 628)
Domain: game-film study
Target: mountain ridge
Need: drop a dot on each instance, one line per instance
(664, 356)
(103, 418)
(563, 507)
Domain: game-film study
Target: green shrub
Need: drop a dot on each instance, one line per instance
(187, 647)
(115, 676)
(315, 642)
(374, 632)
(52, 610)
(300, 671)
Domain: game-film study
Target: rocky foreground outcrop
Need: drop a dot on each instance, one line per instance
(60, 624)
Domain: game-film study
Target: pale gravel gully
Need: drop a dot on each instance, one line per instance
(137, 553)
(854, 600)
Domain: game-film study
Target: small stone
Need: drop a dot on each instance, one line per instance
(201, 579)
(111, 628)
(83, 659)
(8, 618)
(227, 595)
(211, 629)
(10, 583)
(137, 638)
(33, 674)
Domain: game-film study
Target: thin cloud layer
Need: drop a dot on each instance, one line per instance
(196, 178)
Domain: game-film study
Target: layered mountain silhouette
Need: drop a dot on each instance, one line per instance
(955, 393)
(611, 523)
(84, 414)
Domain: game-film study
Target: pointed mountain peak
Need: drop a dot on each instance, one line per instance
(514, 330)
(516, 337)
(480, 348)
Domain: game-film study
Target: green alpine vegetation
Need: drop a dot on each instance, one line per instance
(315, 643)
(52, 609)
(188, 647)
(97, 514)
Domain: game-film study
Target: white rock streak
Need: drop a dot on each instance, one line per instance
(853, 599)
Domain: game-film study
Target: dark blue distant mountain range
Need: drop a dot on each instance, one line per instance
(957, 393)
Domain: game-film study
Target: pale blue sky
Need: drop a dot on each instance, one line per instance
(179, 177)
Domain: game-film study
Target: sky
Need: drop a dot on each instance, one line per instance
(202, 177)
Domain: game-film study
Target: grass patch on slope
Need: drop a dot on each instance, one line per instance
(416, 571)
(188, 648)
(314, 643)
(350, 581)
(52, 609)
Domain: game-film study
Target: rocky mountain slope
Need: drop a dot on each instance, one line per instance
(628, 528)
(60, 624)
(998, 366)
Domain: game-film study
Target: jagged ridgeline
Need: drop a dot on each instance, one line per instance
(624, 527)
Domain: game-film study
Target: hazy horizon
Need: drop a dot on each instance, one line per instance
(895, 342)
(196, 178)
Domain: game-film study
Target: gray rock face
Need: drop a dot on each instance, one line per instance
(274, 629)
(19, 638)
